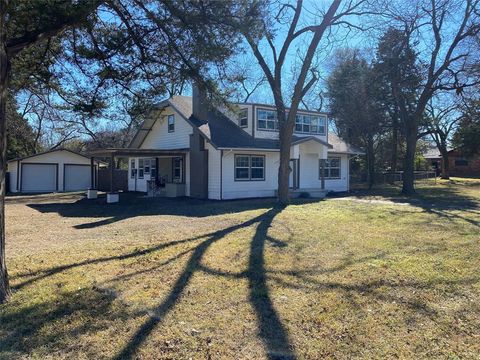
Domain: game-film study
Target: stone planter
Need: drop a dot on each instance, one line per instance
(92, 194)
(112, 198)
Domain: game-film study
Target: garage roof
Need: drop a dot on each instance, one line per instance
(47, 152)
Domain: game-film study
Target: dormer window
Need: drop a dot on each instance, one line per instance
(267, 120)
(310, 124)
(243, 118)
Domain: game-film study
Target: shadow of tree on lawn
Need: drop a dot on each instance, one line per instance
(271, 329)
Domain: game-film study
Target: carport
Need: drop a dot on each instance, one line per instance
(114, 153)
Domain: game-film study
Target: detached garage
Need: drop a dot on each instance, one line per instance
(51, 171)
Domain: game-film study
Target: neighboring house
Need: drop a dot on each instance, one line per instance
(458, 164)
(208, 154)
(51, 171)
(461, 165)
(433, 158)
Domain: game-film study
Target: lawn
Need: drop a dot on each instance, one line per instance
(373, 275)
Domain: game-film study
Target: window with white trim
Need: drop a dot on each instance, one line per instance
(177, 169)
(171, 123)
(146, 166)
(267, 120)
(141, 168)
(243, 118)
(132, 168)
(153, 168)
(332, 168)
(310, 124)
(249, 167)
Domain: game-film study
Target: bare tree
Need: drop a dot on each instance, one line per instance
(442, 122)
(290, 13)
(445, 30)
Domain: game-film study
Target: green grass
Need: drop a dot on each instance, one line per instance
(376, 275)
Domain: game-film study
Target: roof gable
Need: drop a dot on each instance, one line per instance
(48, 152)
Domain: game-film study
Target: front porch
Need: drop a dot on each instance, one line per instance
(155, 172)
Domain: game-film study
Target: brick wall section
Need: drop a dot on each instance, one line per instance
(120, 180)
(471, 169)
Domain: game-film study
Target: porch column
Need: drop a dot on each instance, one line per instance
(92, 191)
(322, 173)
(112, 165)
(92, 174)
(111, 196)
(184, 158)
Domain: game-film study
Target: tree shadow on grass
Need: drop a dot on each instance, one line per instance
(440, 201)
(271, 329)
(132, 205)
(55, 326)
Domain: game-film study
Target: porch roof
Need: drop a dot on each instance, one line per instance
(127, 152)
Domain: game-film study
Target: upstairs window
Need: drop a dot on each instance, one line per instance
(332, 168)
(243, 118)
(171, 123)
(267, 120)
(249, 167)
(310, 124)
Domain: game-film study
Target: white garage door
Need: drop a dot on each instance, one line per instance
(77, 177)
(39, 177)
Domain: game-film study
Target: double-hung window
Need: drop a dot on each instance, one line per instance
(132, 168)
(171, 123)
(249, 167)
(146, 166)
(332, 168)
(153, 168)
(177, 169)
(267, 120)
(310, 124)
(141, 168)
(243, 118)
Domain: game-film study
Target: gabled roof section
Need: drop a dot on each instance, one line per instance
(223, 133)
(48, 152)
(301, 139)
(342, 147)
(181, 104)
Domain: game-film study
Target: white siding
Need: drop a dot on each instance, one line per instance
(160, 138)
(12, 169)
(249, 189)
(310, 174)
(214, 160)
(59, 157)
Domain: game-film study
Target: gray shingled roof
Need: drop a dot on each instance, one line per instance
(224, 133)
(340, 146)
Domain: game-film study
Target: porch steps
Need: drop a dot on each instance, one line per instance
(308, 193)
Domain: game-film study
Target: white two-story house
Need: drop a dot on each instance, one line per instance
(201, 152)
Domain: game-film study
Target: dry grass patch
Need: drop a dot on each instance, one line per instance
(161, 279)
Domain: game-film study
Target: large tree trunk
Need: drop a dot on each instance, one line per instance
(445, 164)
(370, 162)
(394, 159)
(285, 137)
(4, 75)
(408, 187)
